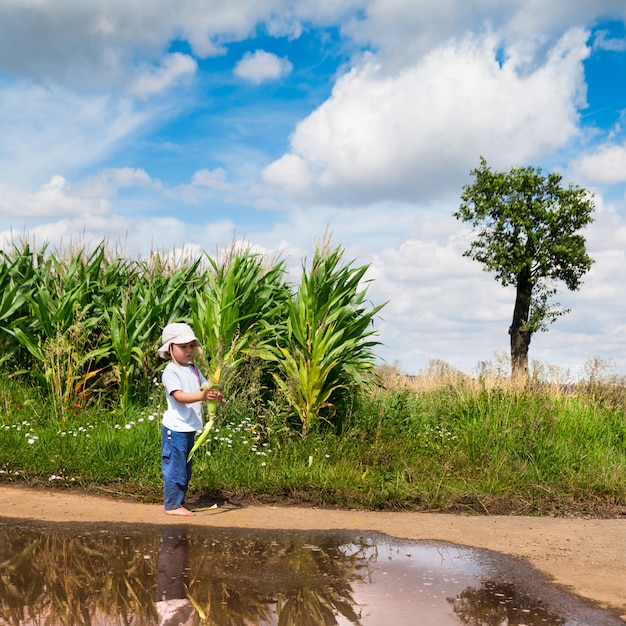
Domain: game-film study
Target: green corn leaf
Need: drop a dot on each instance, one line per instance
(203, 435)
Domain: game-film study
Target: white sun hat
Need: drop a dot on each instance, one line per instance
(178, 332)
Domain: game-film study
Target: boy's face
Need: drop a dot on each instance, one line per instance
(183, 353)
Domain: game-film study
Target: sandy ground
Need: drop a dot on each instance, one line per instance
(585, 556)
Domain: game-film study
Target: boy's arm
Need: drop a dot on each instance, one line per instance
(188, 397)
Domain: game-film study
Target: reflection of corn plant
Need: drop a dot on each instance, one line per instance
(324, 343)
(61, 576)
(310, 584)
(72, 578)
(306, 603)
(309, 607)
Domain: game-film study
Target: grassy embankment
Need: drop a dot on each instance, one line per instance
(79, 405)
(442, 441)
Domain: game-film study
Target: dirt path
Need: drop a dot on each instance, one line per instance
(586, 556)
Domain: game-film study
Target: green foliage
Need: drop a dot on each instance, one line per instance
(236, 307)
(84, 325)
(527, 223)
(324, 344)
(82, 332)
(527, 231)
(12, 300)
(49, 336)
(131, 322)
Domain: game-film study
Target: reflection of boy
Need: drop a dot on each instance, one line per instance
(173, 606)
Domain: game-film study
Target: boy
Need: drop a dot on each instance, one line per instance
(183, 417)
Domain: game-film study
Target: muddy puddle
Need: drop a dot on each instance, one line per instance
(65, 574)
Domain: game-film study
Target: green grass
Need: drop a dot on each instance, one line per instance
(452, 447)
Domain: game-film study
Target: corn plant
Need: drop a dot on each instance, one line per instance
(12, 299)
(236, 307)
(66, 320)
(169, 290)
(212, 383)
(130, 328)
(58, 297)
(324, 344)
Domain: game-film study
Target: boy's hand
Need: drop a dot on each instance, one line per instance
(211, 393)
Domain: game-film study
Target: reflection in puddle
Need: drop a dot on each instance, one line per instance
(94, 574)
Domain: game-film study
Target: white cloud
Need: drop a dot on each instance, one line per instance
(208, 25)
(260, 66)
(96, 43)
(291, 174)
(109, 181)
(54, 198)
(603, 41)
(203, 184)
(174, 69)
(537, 18)
(46, 130)
(211, 179)
(132, 236)
(415, 134)
(441, 305)
(93, 197)
(607, 165)
(403, 31)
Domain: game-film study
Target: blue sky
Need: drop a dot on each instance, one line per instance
(177, 126)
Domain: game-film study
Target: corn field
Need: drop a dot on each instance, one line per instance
(83, 325)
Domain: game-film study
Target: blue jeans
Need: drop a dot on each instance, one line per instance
(175, 448)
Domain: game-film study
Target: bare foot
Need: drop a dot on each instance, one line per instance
(180, 511)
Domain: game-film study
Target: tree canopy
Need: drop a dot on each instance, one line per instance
(527, 231)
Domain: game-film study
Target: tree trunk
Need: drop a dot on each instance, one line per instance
(520, 335)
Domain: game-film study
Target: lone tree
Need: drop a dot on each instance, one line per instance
(527, 232)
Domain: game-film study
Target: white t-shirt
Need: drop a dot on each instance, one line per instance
(179, 416)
